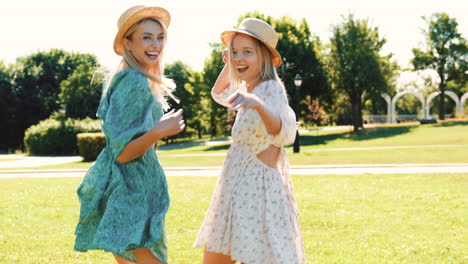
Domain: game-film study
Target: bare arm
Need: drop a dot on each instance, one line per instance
(223, 81)
(272, 123)
(170, 124)
(248, 100)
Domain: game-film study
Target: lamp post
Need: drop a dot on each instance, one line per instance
(297, 83)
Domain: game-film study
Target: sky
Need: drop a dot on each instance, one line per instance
(89, 26)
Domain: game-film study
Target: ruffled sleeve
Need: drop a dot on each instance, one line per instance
(277, 103)
(221, 97)
(126, 110)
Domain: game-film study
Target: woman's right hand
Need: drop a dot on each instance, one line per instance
(171, 123)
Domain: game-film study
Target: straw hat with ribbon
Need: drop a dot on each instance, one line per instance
(260, 30)
(135, 14)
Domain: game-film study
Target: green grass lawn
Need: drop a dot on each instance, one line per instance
(418, 218)
(326, 147)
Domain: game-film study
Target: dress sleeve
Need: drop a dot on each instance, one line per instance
(277, 103)
(221, 97)
(129, 112)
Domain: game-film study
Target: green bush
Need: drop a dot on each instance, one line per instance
(90, 145)
(57, 136)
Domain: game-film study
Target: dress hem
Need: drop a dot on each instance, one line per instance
(120, 254)
(233, 258)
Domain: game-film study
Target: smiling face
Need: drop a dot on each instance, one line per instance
(246, 58)
(146, 43)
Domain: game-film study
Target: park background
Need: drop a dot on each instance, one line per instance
(57, 53)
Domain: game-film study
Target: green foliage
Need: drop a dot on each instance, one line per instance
(57, 136)
(201, 106)
(409, 104)
(81, 92)
(446, 52)
(218, 116)
(191, 91)
(36, 86)
(6, 108)
(356, 67)
(90, 145)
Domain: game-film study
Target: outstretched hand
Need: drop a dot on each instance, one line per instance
(244, 100)
(171, 123)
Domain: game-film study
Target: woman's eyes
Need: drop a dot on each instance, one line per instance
(245, 52)
(150, 38)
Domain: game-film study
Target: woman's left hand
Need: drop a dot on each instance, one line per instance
(245, 100)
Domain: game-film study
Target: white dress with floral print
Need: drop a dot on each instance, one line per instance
(253, 214)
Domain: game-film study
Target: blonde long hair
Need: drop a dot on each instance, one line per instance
(160, 86)
(267, 69)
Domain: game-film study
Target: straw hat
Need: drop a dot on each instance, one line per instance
(135, 14)
(260, 30)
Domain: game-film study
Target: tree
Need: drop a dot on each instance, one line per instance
(316, 114)
(355, 63)
(81, 92)
(202, 103)
(189, 91)
(6, 108)
(213, 66)
(36, 86)
(446, 52)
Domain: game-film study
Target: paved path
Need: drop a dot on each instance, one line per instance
(295, 170)
(20, 161)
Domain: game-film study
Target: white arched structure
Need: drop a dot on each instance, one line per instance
(459, 109)
(388, 99)
(400, 94)
(462, 103)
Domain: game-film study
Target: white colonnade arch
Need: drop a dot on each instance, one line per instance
(399, 95)
(462, 103)
(458, 107)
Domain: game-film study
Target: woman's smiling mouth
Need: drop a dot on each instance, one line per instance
(152, 54)
(242, 68)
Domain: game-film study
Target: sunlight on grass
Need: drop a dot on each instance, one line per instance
(326, 147)
(344, 219)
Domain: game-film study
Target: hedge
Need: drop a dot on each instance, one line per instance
(90, 145)
(57, 136)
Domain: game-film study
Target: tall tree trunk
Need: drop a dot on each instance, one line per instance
(355, 113)
(440, 71)
(361, 123)
(199, 131)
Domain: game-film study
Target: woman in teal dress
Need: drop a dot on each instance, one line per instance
(124, 196)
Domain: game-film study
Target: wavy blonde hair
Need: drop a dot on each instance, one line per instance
(160, 86)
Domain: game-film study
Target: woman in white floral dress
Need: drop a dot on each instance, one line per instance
(253, 215)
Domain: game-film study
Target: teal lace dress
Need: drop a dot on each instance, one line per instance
(123, 206)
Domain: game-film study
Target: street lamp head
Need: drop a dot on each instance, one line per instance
(297, 80)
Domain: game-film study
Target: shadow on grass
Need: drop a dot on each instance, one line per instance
(218, 147)
(451, 123)
(366, 134)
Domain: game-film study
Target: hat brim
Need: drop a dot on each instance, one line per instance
(227, 36)
(147, 12)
